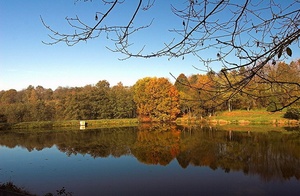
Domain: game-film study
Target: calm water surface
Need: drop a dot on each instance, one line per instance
(152, 160)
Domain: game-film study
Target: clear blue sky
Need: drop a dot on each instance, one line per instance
(25, 60)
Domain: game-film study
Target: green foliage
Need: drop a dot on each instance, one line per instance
(182, 83)
(274, 104)
(292, 113)
(121, 101)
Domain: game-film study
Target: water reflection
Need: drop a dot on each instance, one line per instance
(270, 155)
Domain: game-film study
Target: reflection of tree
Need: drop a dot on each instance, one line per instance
(199, 151)
(276, 155)
(97, 143)
(271, 155)
(157, 144)
(184, 159)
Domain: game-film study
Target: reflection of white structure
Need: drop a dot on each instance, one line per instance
(82, 124)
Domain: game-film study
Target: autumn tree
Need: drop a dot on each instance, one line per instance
(30, 104)
(184, 89)
(140, 98)
(198, 94)
(285, 90)
(60, 102)
(41, 107)
(206, 93)
(8, 97)
(156, 99)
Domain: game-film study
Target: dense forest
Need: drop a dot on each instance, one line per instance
(150, 99)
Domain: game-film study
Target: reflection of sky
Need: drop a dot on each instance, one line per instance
(49, 170)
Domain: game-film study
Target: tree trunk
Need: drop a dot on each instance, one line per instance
(229, 105)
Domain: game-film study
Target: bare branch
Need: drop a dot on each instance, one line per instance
(244, 35)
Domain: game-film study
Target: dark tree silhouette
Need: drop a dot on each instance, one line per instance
(246, 36)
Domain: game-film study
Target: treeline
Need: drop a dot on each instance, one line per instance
(150, 99)
(98, 101)
(274, 87)
(154, 99)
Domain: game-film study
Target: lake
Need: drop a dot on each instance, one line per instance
(152, 160)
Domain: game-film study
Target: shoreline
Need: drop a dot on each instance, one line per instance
(280, 122)
(239, 117)
(70, 124)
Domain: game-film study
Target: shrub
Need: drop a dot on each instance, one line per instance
(11, 187)
(292, 113)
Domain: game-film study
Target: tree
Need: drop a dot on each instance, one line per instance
(183, 86)
(8, 97)
(156, 99)
(89, 102)
(239, 34)
(101, 100)
(204, 92)
(140, 98)
(121, 101)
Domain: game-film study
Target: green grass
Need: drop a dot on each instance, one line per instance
(259, 116)
(101, 122)
(32, 125)
(73, 124)
(243, 117)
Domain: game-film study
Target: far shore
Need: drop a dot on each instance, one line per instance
(71, 124)
(239, 117)
(243, 117)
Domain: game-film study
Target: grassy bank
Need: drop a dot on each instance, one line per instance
(239, 117)
(243, 117)
(71, 124)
